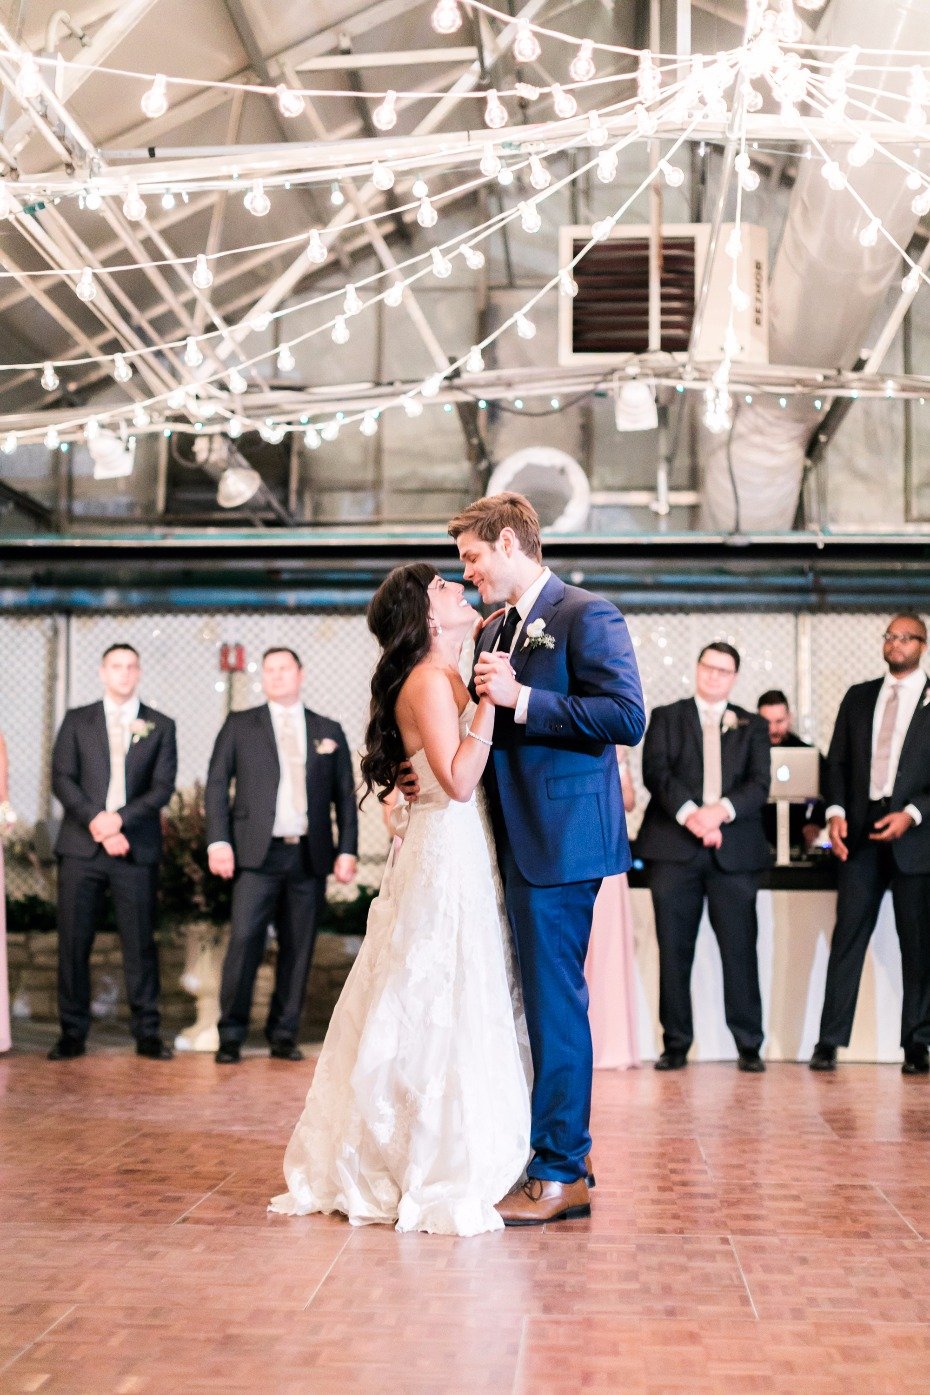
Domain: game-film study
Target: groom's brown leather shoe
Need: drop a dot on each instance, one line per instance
(537, 1202)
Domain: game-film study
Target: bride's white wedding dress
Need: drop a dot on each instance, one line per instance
(419, 1110)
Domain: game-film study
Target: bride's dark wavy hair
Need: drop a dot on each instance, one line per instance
(398, 617)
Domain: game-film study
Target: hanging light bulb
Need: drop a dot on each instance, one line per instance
(238, 384)
(351, 304)
(52, 438)
(29, 81)
(154, 102)
(257, 201)
(525, 327)
(581, 68)
(432, 385)
(717, 409)
(495, 113)
(394, 295)
(86, 287)
(530, 219)
(911, 282)
(607, 165)
(312, 438)
(913, 181)
(260, 321)
(413, 406)
(601, 229)
(505, 176)
(526, 47)
(563, 103)
(442, 267)
(234, 428)
(330, 431)
(91, 429)
(597, 132)
(385, 115)
(168, 201)
(122, 372)
(134, 205)
(835, 177)
(93, 199)
(540, 178)
(49, 378)
(369, 424)
(203, 276)
(921, 204)
(861, 151)
(141, 418)
(272, 432)
(648, 79)
(490, 163)
(568, 286)
(340, 331)
(473, 257)
(673, 175)
(446, 17)
(753, 100)
(336, 197)
(286, 361)
(9, 443)
(734, 244)
(290, 103)
(474, 363)
(868, 235)
(176, 399)
(382, 177)
(315, 249)
(192, 355)
(419, 188)
(788, 26)
(748, 178)
(426, 214)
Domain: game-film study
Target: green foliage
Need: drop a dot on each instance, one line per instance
(187, 889)
(30, 913)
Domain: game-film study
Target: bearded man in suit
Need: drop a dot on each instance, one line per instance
(706, 766)
(878, 819)
(113, 770)
(293, 771)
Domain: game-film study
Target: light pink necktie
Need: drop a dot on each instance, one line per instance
(713, 777)
(881, 761)
(297, 769)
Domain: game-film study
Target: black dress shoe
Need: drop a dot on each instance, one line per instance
(228, 1054)
(916, 1061)
(66, 1048)
(824, 1057)
(154, 1048)
(750, 1062)
(672, 1060)
(286, 1051)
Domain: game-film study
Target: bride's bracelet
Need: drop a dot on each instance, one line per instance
(475, 737)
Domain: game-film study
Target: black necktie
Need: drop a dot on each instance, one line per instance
(508, 630)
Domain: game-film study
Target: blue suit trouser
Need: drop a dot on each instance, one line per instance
(551, 927)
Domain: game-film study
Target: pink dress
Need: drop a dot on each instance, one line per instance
(5, 1039)
(610, 970)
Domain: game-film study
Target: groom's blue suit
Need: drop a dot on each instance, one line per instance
(557, 811)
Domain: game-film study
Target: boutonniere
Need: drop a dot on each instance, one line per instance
(926, 701)
(536, 636)
(139, 730)
(325, 747)
(729, 721)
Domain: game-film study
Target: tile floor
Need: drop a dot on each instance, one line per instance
(750, 1234)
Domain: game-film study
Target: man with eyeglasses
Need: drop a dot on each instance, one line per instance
(706, 766)
(878, 820)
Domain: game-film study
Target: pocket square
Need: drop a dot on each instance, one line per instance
(325, 747)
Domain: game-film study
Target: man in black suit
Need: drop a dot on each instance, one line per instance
(878, 792)
(706, 767)
(806, 818)
(113, 770)
(292, 770)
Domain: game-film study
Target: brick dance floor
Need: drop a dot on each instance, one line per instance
(750, 1234)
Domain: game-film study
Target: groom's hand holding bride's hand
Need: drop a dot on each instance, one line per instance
(495, 680)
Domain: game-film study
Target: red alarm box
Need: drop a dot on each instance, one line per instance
(232, 658)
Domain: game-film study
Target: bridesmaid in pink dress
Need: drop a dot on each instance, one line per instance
(610, 968)
(5, 1040)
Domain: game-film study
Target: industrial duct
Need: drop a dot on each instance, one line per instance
(824, 292)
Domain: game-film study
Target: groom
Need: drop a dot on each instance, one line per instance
(560, 668)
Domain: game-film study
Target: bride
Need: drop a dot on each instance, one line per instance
(419, 1110)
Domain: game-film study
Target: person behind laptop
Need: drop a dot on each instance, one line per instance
(806, 817)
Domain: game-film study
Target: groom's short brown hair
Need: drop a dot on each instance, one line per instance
(487, 518)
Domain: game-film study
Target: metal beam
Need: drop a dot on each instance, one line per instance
(27, 505)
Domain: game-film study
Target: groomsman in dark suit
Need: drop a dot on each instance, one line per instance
(292, 771)
(878, 813)
(113, 770)
(706, 766)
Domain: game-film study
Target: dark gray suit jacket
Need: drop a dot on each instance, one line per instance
(246, 751)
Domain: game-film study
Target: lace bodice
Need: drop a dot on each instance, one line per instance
(432, 795)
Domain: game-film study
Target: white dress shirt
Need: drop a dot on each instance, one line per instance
(524, 606)
(125, 712)
(707, 711)
(909, 691)
(287, 822)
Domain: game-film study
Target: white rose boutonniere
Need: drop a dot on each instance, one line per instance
(139, 730)
(729, 721)
(926, 701)
(325, 747)
(536, 636)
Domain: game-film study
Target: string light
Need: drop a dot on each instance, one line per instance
(419, 188)
(530, 219)
(474, 363)
(426, 214)
(835, 177)
(203, 276)
(648, 79)
(597, 132)
(861, 151)
(52, 438)
(911, 282)
(525, 327)
(330, 431)
(29, 80)
(505, 176)
(290, 103)
(134, 205)
(122, 371)
(446, 17)
(581, 68)
(154, 103)
(168, 201)
(869, 234)
(192, 354)
(526, 48)
(141, 418)
(86, 288)
(369, 424)
(394, 295)
(490, 162)
(316, 249)
(351, 304)
(413, 406)
(91, 429)
(382, 177)
(432, 385)
(606, 166)
(921, 204)
(257, 201)
(673, 175)
(340, 332)
(93, 199)
(176, 399)
(385, 115)
(237, 383)
(234, 428)
(286, 361)
(312, 438)
(540, 178)
(260, 321)
(442, 267)
(568, 286)
(49, 378)
(748, 178)
(913, 181)
(601, 229)
(495, 113)
(734, 244)
(336, 197)
(473, 257)
(9, 443)
(563, 103)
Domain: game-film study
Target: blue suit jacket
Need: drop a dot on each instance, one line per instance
(553, 784)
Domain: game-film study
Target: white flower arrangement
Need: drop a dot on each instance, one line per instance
(324, 747)
(537, 637)
(139, 730)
